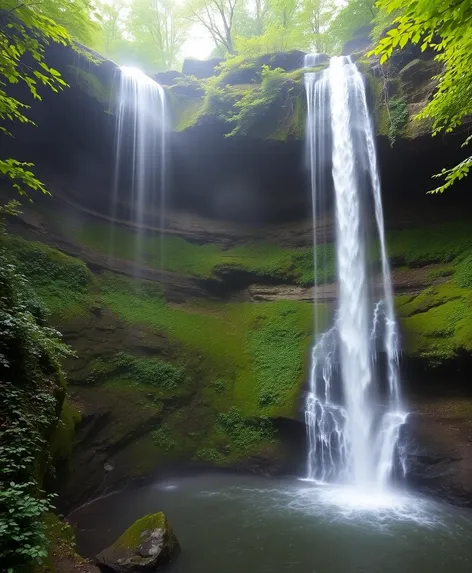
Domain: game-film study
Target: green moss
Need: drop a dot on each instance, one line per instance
(62, 282)
(262, 259)
(151, 371)
(244, 433)
(422, 245)
(90, 83)
(162, 438)
(437, 322)
(463, 272)
(62, 553)
(276, 341)
(131, 538)
(63, 439)
(210, 455)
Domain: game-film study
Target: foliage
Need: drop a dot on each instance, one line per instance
(162, 438)
(446, 29)
(243, 432)
(24, 34)
(398, 115)
(463, 272)
(255, 102)
(276, 342)
(62, 282)
(159, 30)
(217, 17)
(354, 18)
(32, 385)
(151, 371)
(210, 455)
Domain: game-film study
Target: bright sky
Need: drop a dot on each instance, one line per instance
(199, 44)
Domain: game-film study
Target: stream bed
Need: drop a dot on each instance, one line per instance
(234, 523)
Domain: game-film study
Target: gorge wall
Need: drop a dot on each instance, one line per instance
(202, 358)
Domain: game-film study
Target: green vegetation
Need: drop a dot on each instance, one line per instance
(261, 259)
(131, 538)
(150, 371)
(275, 345)
(257, 105)
(162, 438)
(422, 245)
(91, 84)
(398, 115)
(216, 357)
(446, 29)
(25, 32)
(244, 433)
(438, 322)
(63, 283)
(61, 547)
(32, 388)
(63, 438)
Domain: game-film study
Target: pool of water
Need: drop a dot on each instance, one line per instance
(243, 523)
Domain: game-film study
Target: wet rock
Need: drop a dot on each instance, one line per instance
(439, 461)
(146, 546)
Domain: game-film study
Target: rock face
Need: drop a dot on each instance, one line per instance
(439, 462)
(145, 547)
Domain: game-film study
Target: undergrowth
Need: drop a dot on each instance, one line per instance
(32, 389)
(245, 433)
(62, 282)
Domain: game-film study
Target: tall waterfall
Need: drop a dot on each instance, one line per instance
(353, 408)
(140, 153)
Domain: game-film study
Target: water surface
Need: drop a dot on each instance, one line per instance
(233, 523)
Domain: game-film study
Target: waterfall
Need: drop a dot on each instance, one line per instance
(140, 154)
(353, 409)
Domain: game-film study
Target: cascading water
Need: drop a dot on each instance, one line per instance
(141, 153)
(352, 419)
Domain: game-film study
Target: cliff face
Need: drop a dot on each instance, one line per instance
(201, 357)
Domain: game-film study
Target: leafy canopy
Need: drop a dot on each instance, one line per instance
(445, 27)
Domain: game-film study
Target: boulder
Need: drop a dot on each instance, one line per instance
(201, 69)
(144, 547)
(168, 78)
(439, 461)
(250, 70)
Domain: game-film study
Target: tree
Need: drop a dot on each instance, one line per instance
(356, 15)
(78, 17)
(277, 26)
(159, 28)
(445, 27)
(316, 17)
(111, 17)
(24, 35)
(218, 17)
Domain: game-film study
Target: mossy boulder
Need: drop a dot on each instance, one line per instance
(201, 68)
(146, 546)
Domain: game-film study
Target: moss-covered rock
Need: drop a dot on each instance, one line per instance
(144, 547)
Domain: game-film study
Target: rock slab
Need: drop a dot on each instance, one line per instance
(144, 547)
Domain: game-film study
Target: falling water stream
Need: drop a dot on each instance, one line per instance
(353, 420)
(140, 153)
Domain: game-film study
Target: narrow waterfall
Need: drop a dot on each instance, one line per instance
(140, 154)
(353, 408)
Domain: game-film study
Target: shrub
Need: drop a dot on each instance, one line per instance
(32, 386)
